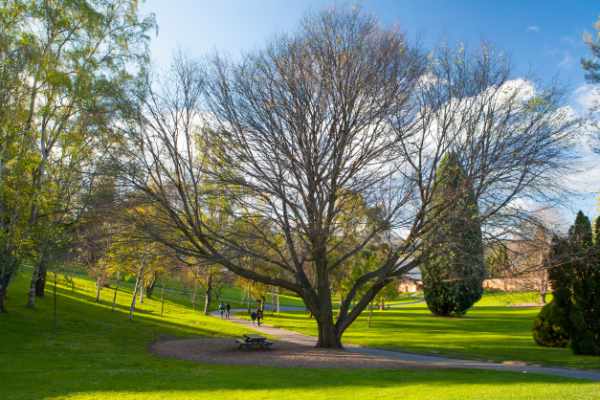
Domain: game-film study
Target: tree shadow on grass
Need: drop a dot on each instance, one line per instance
(101, 353)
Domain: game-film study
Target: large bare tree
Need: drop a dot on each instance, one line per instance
(286, 145)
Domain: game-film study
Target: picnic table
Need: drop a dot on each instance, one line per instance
(253, 342)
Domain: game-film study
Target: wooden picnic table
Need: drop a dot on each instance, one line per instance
(250, 341)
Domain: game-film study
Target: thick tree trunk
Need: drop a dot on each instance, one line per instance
(328, 335)
(208, 297)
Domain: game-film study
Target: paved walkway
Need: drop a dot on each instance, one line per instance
(420, 360)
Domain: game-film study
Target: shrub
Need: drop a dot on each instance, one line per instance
(548, 327)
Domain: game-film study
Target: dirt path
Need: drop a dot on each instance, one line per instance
(387, 358)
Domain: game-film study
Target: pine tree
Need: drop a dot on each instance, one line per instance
(454, 269)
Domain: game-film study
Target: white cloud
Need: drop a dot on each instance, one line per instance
(586, 97)
(533, 28)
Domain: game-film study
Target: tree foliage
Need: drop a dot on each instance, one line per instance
(453, 269)
(574, 271)
(338, 110)
(66, 66)
(549, 327)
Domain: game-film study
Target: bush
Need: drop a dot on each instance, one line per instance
(548, 327)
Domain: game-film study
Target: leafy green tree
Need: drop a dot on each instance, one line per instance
(454, 270)
(16, 161)
(84, 57)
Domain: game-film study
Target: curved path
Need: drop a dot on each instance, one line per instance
(418, 360)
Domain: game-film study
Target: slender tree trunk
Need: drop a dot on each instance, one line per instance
(208, 297)
(370, 315)
(37, 275)
(194, 291)
(162, 299)
(135, 291)
(141, 289)
(2, 295)
(55, 305)
(248, 298)
(151, 285)
(277, 300)
(40, 284)
(114, 301)
(98, 288)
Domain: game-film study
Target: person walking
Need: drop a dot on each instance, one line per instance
(221, 309)
(259, 316)
(227, 310)
(253, 317)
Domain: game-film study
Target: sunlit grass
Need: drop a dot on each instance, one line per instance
(99, 354)
(489, 331)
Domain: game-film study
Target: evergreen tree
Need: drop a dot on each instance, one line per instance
(454, 270)
(574, 272)
(551, 326)
(584, 318)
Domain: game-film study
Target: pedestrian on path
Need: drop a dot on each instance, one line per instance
(259, 316)
(253, 317)
(221, 309)
(227, 310)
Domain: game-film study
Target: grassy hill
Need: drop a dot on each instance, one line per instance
(98, 354)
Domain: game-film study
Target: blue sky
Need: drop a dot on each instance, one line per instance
(543, 38)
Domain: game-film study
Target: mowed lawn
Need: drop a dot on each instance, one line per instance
(494, 329)
(99, 354)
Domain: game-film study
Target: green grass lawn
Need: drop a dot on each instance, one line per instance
(490, 331)
(98, 354)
